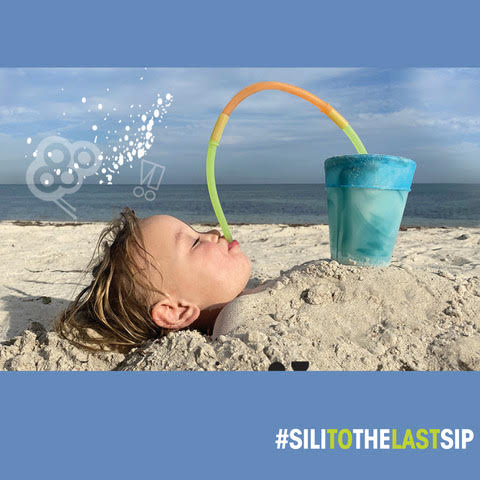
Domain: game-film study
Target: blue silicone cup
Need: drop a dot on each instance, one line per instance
(366, 195)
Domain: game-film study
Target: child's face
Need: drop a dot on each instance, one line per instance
(203, 272)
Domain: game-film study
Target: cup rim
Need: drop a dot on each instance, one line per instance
(372, 156)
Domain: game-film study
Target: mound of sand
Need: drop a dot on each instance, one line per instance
(336, 317)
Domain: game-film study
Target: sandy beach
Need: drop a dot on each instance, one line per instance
(420, 313)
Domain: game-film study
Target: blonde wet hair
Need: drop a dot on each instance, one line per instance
(114, 312)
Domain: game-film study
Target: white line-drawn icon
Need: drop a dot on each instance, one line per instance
(59, 169)
(149, 178)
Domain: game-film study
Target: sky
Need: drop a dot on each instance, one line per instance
(430, 115)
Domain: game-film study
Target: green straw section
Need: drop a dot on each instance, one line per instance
(357, 143)
(212, 190)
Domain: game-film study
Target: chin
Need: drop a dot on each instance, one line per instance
(247, 274)
(239, 288)
(241, 276)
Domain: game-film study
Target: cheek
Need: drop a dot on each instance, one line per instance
(217, 269)
(209, 263)
(220, 266)
(213, 254)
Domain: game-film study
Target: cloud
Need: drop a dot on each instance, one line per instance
(15, 115)
(414, 118)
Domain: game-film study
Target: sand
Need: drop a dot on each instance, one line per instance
(420, 313)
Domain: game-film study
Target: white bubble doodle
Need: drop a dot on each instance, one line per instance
(29, 140)
(84, 100)
(100, 106)
(94, 128)
(129, 143)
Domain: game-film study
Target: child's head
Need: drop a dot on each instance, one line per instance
(154, 275)
(196, 270)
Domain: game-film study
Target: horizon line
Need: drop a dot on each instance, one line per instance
(229, 184)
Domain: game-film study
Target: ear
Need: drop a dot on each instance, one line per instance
(168, 313)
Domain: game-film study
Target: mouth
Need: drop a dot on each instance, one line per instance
(233, 244)
(230, 245)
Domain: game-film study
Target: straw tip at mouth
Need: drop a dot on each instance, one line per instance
(232, 244)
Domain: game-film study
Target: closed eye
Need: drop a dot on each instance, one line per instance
(195, 242)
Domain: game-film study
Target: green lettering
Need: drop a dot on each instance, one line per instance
(434, 432)
(395, 445)
(340, 439)
(422, 436)
(332, 432)
(408, 439)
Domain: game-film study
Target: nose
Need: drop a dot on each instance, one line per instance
(215, 232)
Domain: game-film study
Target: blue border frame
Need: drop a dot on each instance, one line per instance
(215, 33)
(222, 425)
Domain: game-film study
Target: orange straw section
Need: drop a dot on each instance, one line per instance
(299, 92)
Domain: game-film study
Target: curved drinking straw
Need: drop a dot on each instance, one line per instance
(225, 115)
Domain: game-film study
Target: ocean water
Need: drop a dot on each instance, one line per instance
(427, 204)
